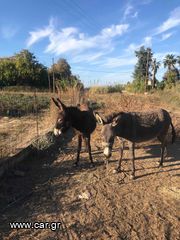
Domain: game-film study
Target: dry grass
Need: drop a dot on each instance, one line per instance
(18, 133)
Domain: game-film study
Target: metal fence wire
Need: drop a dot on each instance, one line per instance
(27, 117)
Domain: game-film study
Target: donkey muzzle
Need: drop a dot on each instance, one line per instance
(57, 132)
(107, 152)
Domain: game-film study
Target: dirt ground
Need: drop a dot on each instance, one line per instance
(94, 203)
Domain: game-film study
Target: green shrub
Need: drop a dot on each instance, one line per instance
(23, 89)
(171, 95)
(106, 89)
(137, 86)
(21, 104)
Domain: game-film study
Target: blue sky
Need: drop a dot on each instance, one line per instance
(98, 37)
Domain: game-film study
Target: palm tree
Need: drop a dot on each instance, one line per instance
(170, 61)
(172, 75)
(154, 65)
(178, 60)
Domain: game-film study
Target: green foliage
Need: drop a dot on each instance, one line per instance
(62, 74)
(8, 72)
(22, 69)
(21, 104)
(24, 89)
(142, 67)
(171, 95)
(170, 78)
(172, 75)
(106, 89)
(160, 85)
(137, 86)
(170, 61)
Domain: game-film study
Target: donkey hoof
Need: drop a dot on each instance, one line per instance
(160, 166)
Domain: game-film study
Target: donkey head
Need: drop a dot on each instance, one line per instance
(108, 131)
(63, 121)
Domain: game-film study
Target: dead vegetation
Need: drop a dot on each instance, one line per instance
(95, 203)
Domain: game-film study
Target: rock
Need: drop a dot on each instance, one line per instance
(84, 195)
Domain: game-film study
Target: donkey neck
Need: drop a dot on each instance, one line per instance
(75, 116)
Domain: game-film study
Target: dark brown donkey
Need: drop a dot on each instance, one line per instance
(81, 118)
(135, 127)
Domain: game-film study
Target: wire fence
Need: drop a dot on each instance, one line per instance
(26, 117)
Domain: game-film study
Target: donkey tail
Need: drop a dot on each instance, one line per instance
(173, 133)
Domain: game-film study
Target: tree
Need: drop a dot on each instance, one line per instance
(30, 71)
(62, 74)
(172, 74)
(142, 68)
(23, 69)
(154, 65)
(61, 70)
(8, 72)
(170, 61)
(178, 60)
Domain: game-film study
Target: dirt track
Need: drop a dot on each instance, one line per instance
(116, 207)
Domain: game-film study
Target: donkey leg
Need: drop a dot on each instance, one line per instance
(163, 140)
(85, 144)
(163, 149)
(118, 169)
(132, 156)
(89, 150)
(78, 149)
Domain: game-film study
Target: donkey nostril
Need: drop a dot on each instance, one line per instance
(57, 132)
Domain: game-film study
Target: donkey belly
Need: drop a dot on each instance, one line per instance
(140, 134)
(145, 133)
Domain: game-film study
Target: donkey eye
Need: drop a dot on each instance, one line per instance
(60, 120)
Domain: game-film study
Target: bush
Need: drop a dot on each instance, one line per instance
(171, 96)
(106, 89)
(160, 85)
(21, 104)
(23, 89)
(170, 79)
(137, 86)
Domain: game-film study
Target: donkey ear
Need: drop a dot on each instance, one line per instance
(99, 119)
(59, 104)
(55, 102)
(116, 121)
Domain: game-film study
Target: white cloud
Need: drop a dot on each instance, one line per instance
(90, 57)
(171, 22)
(166, 36)
(120, 61)
(70, 39)
(147, 42)
(8, 32)
(114, 78)
(161, 55)
(114, 30)
(39, 34)
(130, 12)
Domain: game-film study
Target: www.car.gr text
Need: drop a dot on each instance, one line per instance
(35, 225)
